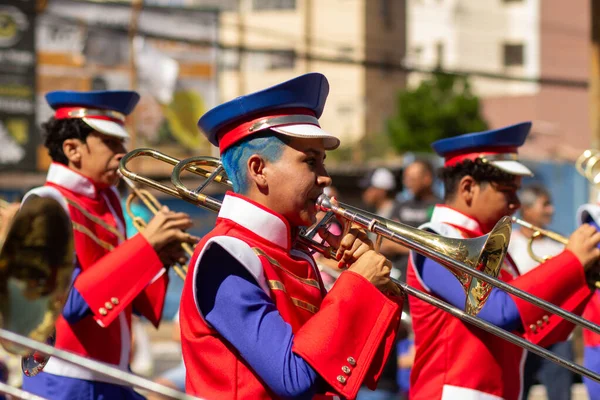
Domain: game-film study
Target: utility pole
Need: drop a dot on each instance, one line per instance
(308, 24)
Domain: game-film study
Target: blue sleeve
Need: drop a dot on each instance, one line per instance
(499, 309)
(75, 308)
(234, 304)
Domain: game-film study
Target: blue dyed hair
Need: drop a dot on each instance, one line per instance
(269, 146)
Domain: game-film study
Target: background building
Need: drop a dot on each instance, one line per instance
(350, 41)
(544, 42)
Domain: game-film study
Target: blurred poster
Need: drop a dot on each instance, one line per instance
(86, 46)
(18, 138)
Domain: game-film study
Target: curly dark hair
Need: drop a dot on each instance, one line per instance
(56, 131)
(480, 171)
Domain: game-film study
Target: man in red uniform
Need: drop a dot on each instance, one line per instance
(455, 360)
(113, 276)
(256, 321)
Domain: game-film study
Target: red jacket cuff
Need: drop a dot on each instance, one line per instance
(349, 339)
(114, 281)
(561, 281)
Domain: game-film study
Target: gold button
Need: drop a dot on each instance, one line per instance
(103, 311)
(532, 327)
(114, 300)
(545, 318)
(341, 379)
(346, 369)
(540, 323)
(351, 361)
(108, 306)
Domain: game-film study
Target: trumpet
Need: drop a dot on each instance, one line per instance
(475, 262)
(538, 232)
(153, 205)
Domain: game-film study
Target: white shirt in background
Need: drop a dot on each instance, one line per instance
(542, 247)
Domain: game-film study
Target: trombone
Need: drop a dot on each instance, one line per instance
(475, 267)
(153, 205)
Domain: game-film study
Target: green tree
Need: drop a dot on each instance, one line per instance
(438, 108)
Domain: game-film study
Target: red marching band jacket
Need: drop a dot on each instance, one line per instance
(353, 326)
(116, 276)
(455, 360)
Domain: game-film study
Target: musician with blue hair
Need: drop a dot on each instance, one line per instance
(256, 319)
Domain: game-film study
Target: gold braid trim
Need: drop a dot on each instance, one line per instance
(277, 285)
(98, 221)
(90, 234)
(309, 282)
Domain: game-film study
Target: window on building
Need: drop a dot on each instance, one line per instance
(345, 53)
(439, 54)
(261, 5)
(230, 59)
(281, 59)
(514, 55)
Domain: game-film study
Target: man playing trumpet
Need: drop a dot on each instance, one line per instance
(455, 360)
(113, 276)
(256, 321)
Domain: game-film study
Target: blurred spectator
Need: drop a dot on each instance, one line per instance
(537, 209)
(415, 211)
(379, 189)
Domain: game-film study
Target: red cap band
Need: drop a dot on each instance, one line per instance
(453, 158)
(79, 112)
(227, 138)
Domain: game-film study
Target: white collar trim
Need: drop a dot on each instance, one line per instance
(256, 219)
(63, 176)
(445, 214)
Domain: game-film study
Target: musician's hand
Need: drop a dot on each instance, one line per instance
(350, 246)
(172, 254)
(167, 227)
(376, 269)
(584, 244)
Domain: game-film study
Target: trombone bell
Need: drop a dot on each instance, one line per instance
(484, 254)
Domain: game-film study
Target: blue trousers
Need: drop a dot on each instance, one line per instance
(56, 387)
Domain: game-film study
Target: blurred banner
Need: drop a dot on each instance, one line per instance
(86, 46)
(18, 138)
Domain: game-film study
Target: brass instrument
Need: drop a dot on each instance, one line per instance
(153, 205)
(537, 232)
(36, 265)
(485, 253)
(476, 268)
(587, 163)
